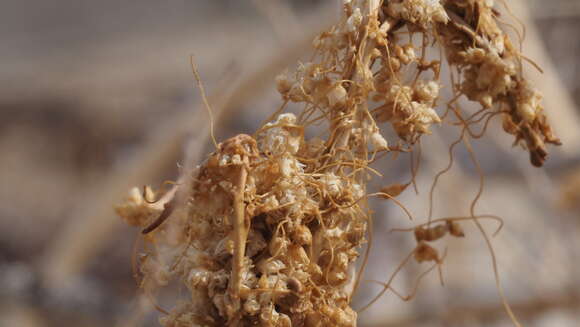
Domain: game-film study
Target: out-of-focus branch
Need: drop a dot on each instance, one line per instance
(280, 15)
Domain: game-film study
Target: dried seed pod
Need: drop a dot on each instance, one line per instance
(337, 96)
(251, 305)
(298, 255)
(283, 84)
(430, 234)
(294, 285)
(302, 235)
(425, 252)
(455, 229)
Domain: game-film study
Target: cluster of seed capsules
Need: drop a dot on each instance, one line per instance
(265, 232)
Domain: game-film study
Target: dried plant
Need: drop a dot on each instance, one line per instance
(266, 231)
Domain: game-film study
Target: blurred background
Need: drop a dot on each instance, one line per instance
(98, 96)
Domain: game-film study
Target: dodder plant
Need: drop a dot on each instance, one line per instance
(266, 231)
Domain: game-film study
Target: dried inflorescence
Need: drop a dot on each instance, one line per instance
(266, 231)
(490, 66)
(285, 256)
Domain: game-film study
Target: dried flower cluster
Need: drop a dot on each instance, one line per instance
(490, 66)
(271, 224)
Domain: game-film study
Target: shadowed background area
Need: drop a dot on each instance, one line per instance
(98, 96)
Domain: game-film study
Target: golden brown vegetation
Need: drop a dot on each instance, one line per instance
(267, 229)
